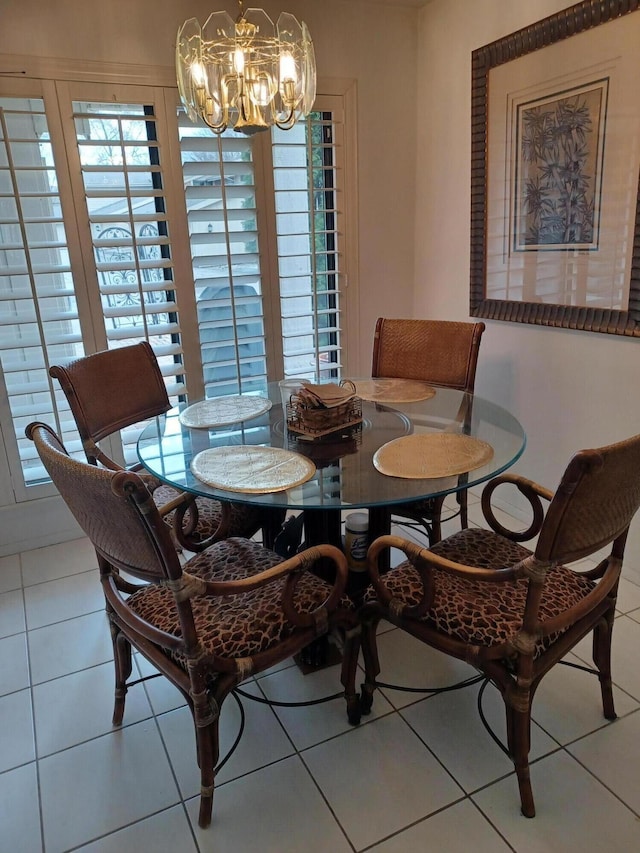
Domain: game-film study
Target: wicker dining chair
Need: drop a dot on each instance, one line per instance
(230, 612)
(440, 352)
(482, 597)
(117, 388)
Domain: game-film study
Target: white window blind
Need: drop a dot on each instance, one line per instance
(306, 160)
(89, 212)
(220, 192)
(220, 178)
(39, 322)
(123, 188)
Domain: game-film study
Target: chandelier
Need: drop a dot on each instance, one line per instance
(247, 74)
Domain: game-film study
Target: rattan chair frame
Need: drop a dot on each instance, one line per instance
(443, 353)
(591, 509)
(117, 513)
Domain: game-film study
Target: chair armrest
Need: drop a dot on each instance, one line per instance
(185, 519)
(414, 553)
(94, 454)
(185, 506)
(292, 570)
(150, 480)
(532, 491)
(182, 503)
(425, 561)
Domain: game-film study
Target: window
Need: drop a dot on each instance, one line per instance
(39, 321)
(220, 189)
(93, 220)
(123, 193)
(220, 194)
(304, 169)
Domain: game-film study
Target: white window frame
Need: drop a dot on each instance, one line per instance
(49, 79)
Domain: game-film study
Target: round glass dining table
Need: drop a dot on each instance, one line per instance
(345, 474)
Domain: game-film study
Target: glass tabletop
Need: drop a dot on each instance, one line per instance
(345, 472)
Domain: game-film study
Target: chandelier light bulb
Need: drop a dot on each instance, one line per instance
(287, 67)
(197, 73)
(238, 61)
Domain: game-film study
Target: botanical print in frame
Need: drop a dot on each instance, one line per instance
(559, 143)
(555, 227)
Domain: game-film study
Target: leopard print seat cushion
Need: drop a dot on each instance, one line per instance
(245, 520)
(233, 626)
(477, 613)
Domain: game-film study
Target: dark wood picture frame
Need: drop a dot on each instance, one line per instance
(576, 19)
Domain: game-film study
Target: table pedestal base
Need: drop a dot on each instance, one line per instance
(315, 527)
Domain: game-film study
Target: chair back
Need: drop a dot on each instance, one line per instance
(439, 351)
(114, 509)
(111, 390)
(594, 504)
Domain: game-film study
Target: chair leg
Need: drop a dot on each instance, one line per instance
(434, 530)
(518, 709)
(371, 664)
(464, 514)
(207, 759)
(348, 675)
(123, 665)
(206, 718)
(433, 525)
(602, 634)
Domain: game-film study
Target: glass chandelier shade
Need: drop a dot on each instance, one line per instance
(247, 74)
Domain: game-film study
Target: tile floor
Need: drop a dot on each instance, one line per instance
(420, 774)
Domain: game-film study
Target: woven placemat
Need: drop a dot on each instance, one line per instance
(431, 455)
(394, 390)
(252, 468)
(223, 411)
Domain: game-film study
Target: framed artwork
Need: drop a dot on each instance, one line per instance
(555, 213)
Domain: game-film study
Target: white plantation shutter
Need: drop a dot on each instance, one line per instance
(220, 177)
(123, 191)
(39, 323)
(98, 184)
(220, 193)
(307, 162)
(124, 194)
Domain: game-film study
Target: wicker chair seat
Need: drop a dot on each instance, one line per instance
(484, 613)
(238, 626)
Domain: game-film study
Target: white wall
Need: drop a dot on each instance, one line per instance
(569, 389)
(374, 44)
